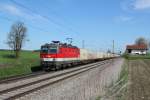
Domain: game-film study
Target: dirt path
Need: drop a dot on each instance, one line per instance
(139, 80)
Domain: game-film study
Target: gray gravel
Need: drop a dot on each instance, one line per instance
(86, 86)
(5, 86)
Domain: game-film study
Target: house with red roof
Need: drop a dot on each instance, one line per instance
(137, 49)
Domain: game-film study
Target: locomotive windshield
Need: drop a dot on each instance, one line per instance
(49, 50)
(53, 50)
(44, 50)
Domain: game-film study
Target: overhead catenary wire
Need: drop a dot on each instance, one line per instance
(46, 17)
(64, 19)
(33, 27)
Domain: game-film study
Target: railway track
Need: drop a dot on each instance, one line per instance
(22, 89)
(17, 78)
(21, 77)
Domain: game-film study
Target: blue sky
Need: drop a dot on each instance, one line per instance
(97, 22)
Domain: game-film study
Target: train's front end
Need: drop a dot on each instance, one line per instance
(48, 55)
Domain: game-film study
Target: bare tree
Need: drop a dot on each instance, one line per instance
(141, 40)
(16, 37)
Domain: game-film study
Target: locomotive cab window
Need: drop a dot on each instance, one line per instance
(53, 50)
(44, 50)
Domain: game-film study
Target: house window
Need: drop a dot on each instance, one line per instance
(129, 50)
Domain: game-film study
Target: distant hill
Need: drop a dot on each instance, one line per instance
(5, 50)
(21, 50)
(36, 50)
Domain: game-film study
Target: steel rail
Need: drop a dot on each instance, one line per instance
(85, 68)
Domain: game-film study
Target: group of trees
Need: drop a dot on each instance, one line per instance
(141, 41)
(16, 37)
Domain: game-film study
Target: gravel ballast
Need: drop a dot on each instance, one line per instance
(86, 86)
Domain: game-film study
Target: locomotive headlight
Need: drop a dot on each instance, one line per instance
(48, 56)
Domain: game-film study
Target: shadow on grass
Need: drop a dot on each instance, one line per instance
(36, 68)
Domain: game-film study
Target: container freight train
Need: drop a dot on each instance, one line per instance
(56, 55)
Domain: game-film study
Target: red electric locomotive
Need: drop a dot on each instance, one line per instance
(57, 55)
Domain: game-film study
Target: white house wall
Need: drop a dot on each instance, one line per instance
(138, 52)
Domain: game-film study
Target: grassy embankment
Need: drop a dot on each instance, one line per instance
(120, 88)
(10, 66)
(117, 90)
(135, 57)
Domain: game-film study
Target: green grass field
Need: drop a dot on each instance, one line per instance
(134, 57)
(10, 66)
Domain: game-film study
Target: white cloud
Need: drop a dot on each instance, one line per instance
(10, 9)
(17, 11)
(135, 5)
(141, 4)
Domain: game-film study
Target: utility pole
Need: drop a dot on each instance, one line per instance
(113, 47)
